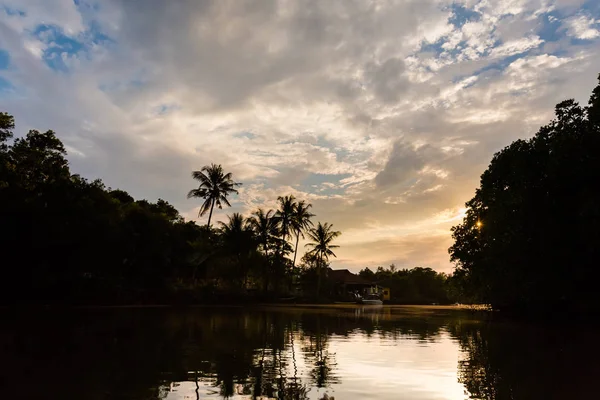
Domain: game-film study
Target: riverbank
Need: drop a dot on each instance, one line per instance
(298, 306)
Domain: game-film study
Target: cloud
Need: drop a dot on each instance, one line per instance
(517, 46)
(382, 114)
(583, 27)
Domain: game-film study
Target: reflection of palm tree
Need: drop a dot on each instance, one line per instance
(322, 236)
(322, 368)
(290, 389)
(215, 186)
(317, 355)
(197, 390)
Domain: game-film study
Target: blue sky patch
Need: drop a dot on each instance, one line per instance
(551, 30)
(5, 85)
(316, 181)
(581, 42)
(95, 35)
(435, 48)
(593, 6)
(60, 46)
(13, 11)
(500, 65)
(462, 15)
(4, 59)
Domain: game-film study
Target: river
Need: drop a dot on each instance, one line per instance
(345, 353)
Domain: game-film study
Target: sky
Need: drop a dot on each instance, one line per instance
(382, 114)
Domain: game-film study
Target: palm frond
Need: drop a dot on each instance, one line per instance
(205, 207)
(197, 193)
(200, 176)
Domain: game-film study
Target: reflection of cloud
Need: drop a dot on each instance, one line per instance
(406, 367)
(397, 107)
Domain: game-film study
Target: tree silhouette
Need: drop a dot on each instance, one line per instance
(301, 223)
(266, 228)
(322, 237)
(238, 240)
(285, 215)
(79, 242)
(215, 186)
(529, 240)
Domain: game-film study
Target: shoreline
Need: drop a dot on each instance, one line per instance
(473, 307)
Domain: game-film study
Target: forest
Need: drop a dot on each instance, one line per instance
(414, 286)
(68, 240)
(530, 242)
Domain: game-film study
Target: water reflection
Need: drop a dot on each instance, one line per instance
(295, 353)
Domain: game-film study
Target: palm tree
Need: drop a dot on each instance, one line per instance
(238, 240)
(301, 223)
(285, 215)
(215, 186)
(321, 237)
(235, 232)
(266, 229)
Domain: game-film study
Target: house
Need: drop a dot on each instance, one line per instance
(345, 282)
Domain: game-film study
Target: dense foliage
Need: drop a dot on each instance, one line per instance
(530, 237)
(413, 286)
(64, 239)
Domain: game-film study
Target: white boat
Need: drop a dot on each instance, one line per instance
(373, 302)
(370, 300)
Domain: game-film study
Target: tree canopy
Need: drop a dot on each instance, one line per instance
(529, 240)
(417, 285)
(65, 239)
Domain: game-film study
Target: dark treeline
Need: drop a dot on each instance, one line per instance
(64, 239)
(530, 241)
(414, 286)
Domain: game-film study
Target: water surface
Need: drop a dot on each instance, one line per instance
(346, 353)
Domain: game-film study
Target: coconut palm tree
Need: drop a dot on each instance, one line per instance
(322, 236)
(266, 230)
(301, 223)
(236, 233)
(265, 227)
(238, 241)
(215, 186)
(285, 215)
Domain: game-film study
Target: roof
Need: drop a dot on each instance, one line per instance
(347, 277)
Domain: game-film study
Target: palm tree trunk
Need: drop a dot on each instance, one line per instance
(212, 204)
(319, 267)
(267, 269)
(278, 265)
(296, 250)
